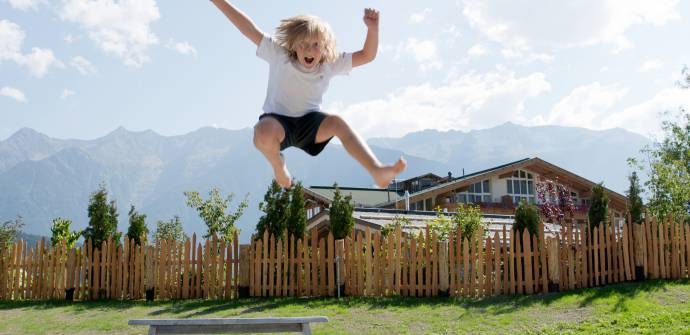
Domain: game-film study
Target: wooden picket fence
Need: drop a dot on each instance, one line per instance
(168, 270)
(506, 262)
(365, 264)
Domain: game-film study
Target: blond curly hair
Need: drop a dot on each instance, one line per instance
(296, 29)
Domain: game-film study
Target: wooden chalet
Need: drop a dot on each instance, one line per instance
(497, 191)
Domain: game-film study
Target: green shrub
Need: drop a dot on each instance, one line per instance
(527, 216)
(340, 214)
(468, 219)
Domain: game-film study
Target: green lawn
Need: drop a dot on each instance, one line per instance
(650, 307)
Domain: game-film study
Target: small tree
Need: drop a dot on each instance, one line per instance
(212, 211)
(599, 208)
(297, 221)
(170, 230)
(527, 216)
(442, 225)
(340, 214)
(60, 232)
(669, 170)
(635, 206)
(276, 208)
(137, 226)
(10, 230)
(668, 164)
(468, 219)
(102, 219)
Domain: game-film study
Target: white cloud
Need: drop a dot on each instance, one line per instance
(650, 65)
(585, 106)
(83, 65)
(477, 50)
(544, 25)
(13, 93)
(25, 4)
(183, 48)
(470, 101)
(121, 28)
(526, 56)
(425, 53)
(421, 16)
(38, 61)
(66, 93)
(11, 38)
(69, 38)
(643, 118)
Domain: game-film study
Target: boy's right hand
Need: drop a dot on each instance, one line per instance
(371, 18)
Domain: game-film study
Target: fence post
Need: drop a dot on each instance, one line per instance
(443, 269)
(243, 288)
(552, 247)
(340, 265)
(69, 287)
(639, 247)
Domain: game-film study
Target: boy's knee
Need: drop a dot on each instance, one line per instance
(336, 121)
(264, 135)
(338, 126)
(260, 138)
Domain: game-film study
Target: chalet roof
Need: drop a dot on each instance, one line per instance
(362, 197)
(378, 218)
(418, 220)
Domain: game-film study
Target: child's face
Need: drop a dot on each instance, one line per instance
(309, 52)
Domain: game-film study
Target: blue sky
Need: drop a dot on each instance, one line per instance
(81, 68)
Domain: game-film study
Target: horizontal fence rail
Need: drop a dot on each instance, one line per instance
(364, 264)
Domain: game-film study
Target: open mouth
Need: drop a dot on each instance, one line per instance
(309, 60)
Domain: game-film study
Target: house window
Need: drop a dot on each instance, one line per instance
(477, 192)
(521, 187)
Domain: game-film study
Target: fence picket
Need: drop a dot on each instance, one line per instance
(271, 262)
(497, 266)
(298, 274)
(433, 263)
(519, 250)
(413, 269)
(398, 260)
(330, 264)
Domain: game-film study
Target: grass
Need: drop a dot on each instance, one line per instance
(649, 307)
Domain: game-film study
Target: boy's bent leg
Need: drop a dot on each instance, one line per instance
(334, 125)
(268, 134)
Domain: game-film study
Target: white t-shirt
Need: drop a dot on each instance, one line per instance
(293, 90)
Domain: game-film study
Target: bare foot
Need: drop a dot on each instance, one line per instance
(384, 175)
(282, 175)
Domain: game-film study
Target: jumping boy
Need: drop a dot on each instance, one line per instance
(302, 59)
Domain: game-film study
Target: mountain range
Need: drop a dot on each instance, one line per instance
(42, 177)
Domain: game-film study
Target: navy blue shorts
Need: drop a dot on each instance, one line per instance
(300, 132)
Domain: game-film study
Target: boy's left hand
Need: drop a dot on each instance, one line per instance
(371, 18)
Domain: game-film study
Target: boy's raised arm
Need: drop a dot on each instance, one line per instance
(245, 25)
(371, 44)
